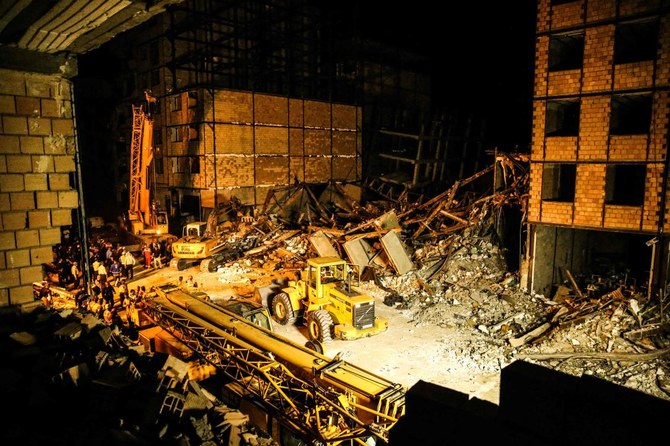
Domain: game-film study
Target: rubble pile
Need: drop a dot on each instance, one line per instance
(437, 261)
(69, 378)
(440, 262)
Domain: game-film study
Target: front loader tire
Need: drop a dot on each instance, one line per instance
(320, 326)
(282, 310)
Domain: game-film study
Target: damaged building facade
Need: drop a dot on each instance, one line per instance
(599, 166)
(224, 143)
(256, 95)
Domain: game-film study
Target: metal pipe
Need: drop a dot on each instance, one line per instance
(81, 221)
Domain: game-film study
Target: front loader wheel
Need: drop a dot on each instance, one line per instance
(319, 325)
(282, 309)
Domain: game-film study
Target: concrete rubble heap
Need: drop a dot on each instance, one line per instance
(441, 262)
(81, 381)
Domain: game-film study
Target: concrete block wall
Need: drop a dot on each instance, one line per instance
(593, 149)
(249, 142)
(37, 147)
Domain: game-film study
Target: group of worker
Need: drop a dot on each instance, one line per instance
(156, 254)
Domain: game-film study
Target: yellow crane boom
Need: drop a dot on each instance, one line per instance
(324, 399)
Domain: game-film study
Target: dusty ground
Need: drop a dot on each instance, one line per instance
(455, 331)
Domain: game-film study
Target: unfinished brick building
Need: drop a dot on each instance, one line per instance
(219, 144)
(278, 91)
(599, 171)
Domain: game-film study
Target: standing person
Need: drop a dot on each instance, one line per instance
(108, 295)
(156, 253)
(77, 274)
(128, 263)
(156, 262)
(94, 268)
(123, 291)
(146, 251)
(102, 275)
(115, 271)
(109, 254)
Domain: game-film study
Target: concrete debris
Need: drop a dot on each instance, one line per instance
(87, 389)
(447, 266)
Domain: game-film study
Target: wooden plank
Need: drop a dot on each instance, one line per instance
(454, 217)
(574, 284)
(9, 12)
(395, 250)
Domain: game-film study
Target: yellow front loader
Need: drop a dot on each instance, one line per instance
(327, 299)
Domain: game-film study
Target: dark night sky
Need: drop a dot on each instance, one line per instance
(481, 55)
(481, 58)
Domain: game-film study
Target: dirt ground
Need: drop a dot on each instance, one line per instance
(406, 353)
(458, 335)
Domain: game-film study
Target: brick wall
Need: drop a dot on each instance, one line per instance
(37, 147)
(593, 85)
(262, 141)
(594, 128)
(561, 148)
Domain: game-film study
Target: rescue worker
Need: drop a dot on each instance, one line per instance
(128, 263)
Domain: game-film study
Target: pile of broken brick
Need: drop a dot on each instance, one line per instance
(68, 378)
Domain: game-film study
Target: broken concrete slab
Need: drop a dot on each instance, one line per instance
(72, 330)
(322, 245)
(396, 252)
(358, 251)
(23, 338)
(387, 221)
